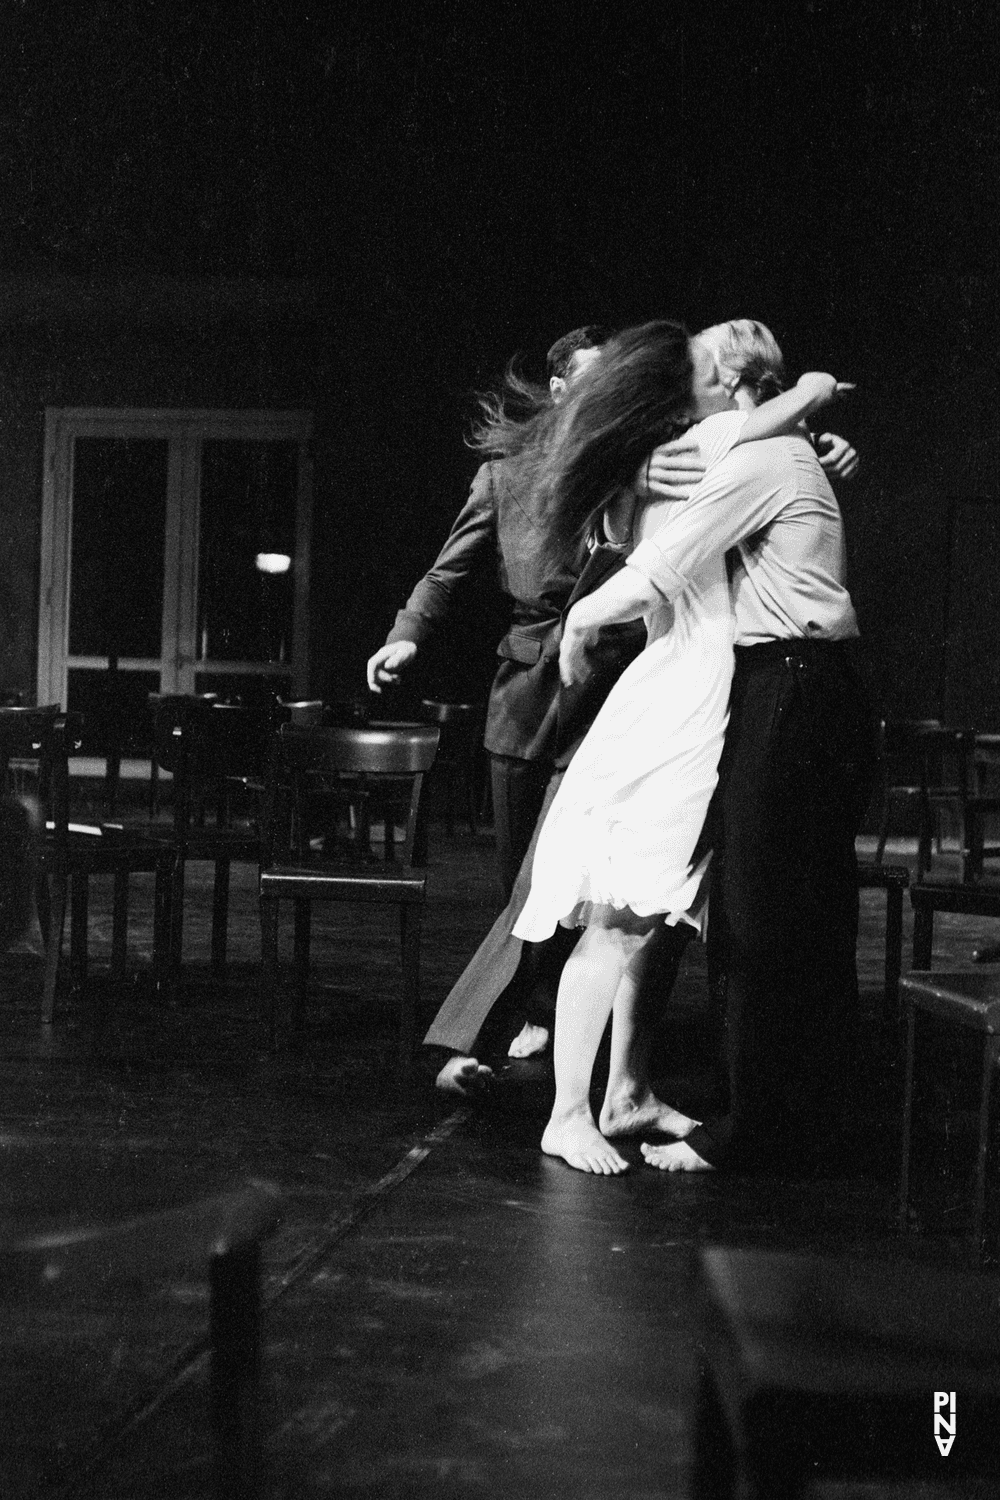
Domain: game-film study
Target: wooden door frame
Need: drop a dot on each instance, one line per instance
(184, 430)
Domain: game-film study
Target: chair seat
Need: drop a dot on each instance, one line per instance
(360, 882)
(108, 850)
(818, 1324)
(880, 877)
(968, 998)
(972, 900)
(817, 1368)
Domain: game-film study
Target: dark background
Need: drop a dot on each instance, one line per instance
(473, 180)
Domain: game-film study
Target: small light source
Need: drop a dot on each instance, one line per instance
(272, 562)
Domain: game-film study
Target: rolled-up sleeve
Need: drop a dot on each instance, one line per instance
(739, 495)
(649, 560)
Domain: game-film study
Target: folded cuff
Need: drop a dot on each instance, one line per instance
(648, 560)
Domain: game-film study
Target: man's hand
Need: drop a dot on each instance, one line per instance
(837, 456)
(573, 664)
(671, 472)
(388, 664)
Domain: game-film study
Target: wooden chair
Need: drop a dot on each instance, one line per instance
(819, 1368)
(934, 896)
(932, 765)
(215, 754)
(953, 1003)
(154, 702)
(981, 807)
(456, 765)
(894, 880)
(327, 788)
(223, 1233)
(34, 759)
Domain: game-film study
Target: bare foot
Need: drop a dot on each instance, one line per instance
(579, 1142)
(463, 1075)
(677, 1158)
(530, 1040)
(629, 1115)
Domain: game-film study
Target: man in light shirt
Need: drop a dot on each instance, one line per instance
(794, 780)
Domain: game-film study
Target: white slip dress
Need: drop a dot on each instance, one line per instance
(620, 842)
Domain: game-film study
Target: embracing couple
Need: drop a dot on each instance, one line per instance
(666, 822)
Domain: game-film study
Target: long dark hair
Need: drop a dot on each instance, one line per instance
(514, 419)
(638, 394)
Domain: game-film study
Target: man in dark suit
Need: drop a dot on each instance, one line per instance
(497, 525)
(531, 729)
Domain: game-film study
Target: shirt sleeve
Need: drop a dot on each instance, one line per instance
(734, 499)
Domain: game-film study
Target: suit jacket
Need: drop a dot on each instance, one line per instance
(529, 716)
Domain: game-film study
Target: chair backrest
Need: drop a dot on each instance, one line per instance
(938, 758)
(438, 711)
(352, 770)
(209, 748)
(33, 759)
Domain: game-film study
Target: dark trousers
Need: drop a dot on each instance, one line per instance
(795, 778)
(518, 793)
(505, 980)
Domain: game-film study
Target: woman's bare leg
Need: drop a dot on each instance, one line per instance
(604, 961)
(630, 1106)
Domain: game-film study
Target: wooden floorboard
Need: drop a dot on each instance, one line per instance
(449, 1313)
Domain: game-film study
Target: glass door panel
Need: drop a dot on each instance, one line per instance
(175, 557)
(116, 567)
(246, 547)
(116, 546)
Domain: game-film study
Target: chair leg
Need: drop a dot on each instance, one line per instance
(448, 777)
(119, 924)
(78, 931)
(715, 1460)
(410, 922)
(177, 915)
(991, 1051)
(883, 833)
(906, 1163)
(303, 922)
(973, 836)
(164, 970)
(893, 952)
(925, 840)
(923, 937)
(53, 945)
(220, 917)
(235, 1371)
(470, 795)
(269, 969)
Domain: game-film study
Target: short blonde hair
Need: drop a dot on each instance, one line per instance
(751, 351)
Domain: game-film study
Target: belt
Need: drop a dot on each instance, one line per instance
(794, 648)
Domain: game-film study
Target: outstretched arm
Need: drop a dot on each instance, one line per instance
(782, 414)
(472, 538)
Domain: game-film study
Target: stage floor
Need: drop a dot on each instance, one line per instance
(448, 1312)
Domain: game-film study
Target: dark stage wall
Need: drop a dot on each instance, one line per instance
(466, 182)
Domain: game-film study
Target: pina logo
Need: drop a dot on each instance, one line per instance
(944, 1420)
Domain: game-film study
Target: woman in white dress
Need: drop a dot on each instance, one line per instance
(619, 852)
